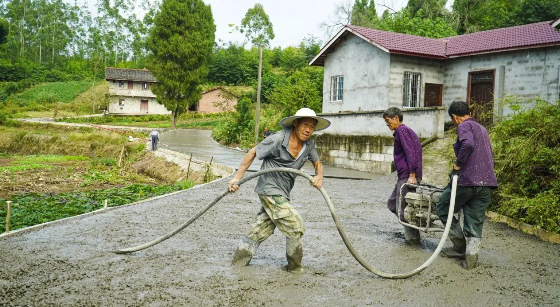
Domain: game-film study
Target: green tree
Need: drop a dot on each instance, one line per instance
(364, 13)
(537, 10)
(4, 30)
(430, 8)
(404, 22)
(470, 16)
(181, 43)
(303, 88)
(257, 27)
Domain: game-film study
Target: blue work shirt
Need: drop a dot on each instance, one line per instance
(474, 155)
(275, 152)
(407, 152)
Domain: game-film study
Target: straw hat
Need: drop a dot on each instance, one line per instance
(322, 123)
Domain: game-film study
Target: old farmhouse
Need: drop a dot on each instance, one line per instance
(367, 71)
(130, 93)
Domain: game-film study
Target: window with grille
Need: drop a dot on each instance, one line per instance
(337, 86)
(411, 89)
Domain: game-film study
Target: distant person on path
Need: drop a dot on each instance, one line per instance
(266, 132)
(407, 154)
(155, 139)
(475, 167)
(291, 148)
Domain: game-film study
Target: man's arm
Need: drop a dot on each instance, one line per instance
(317, 181)
(247, 161)
(466, 145)
(407, 141)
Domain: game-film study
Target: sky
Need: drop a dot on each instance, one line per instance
(292, 20)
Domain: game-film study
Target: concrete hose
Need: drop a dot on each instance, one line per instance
(334, 216)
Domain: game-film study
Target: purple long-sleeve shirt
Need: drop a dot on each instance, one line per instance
(474, 155)
(407, 152)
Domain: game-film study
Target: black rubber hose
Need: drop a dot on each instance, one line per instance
(334, 216)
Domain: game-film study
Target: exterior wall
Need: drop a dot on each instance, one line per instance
(362, 141)
(426, 122)
(132, 106)
(372, 154)
(366, 76)
(136, 90)
(132, 98)
(431, 71)
(524, 73)
(215, 102)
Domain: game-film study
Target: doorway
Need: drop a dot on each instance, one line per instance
(433, 95)
(481, 96)
(143, 106)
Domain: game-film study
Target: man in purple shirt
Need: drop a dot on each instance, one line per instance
(474, 165)
(407, 153)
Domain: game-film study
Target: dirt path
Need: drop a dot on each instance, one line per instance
(67, 263)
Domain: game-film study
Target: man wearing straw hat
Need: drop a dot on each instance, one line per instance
(291, 148)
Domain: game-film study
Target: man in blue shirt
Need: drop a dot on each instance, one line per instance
(407, 154)
(474, 165)
(291, 148)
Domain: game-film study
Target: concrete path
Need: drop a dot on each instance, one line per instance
(68, 263)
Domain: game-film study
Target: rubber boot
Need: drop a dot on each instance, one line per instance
(459, 243)
(471, 255)
(294, 254)
(245, 251)
(412, 236)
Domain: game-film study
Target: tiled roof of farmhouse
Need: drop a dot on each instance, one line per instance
(535, 34)
(402, 43)
(128, 74)
(518, 37)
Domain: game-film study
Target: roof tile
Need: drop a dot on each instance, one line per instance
(531, 35)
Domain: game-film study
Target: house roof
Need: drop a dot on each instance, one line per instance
(128, 74)
(520, 37)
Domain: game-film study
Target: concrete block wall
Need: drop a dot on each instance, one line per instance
(431, 71)
(366, 76)
(522, 73)
(373, 154)
(426, 122)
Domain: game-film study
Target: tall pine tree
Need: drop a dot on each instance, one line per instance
(181, 44)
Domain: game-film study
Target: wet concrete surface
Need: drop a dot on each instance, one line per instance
(67, 263)
(201, 145)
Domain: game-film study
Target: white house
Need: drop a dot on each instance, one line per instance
(368, 71)
(130, 92)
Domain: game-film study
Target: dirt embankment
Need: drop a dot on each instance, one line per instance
(68, 264)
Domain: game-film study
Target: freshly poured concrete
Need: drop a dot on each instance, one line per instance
(67, 263)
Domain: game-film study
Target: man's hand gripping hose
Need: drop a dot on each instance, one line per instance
(334, 216)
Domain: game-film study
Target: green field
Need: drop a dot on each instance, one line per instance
(52, 92)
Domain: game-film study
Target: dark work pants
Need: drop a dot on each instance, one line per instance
(154, 142)
(393, 200)
(473, 201)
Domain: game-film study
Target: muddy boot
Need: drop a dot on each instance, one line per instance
(294, 254)
(245, 251)
(471, 255)
(459, 244)
(412, 236)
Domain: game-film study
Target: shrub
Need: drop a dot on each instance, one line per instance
(527, 164)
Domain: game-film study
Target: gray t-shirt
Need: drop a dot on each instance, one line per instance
(274, 151)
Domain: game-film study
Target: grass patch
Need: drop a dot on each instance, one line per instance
(60, 91)
(32, 208)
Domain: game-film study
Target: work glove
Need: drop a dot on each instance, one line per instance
(453, 173)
